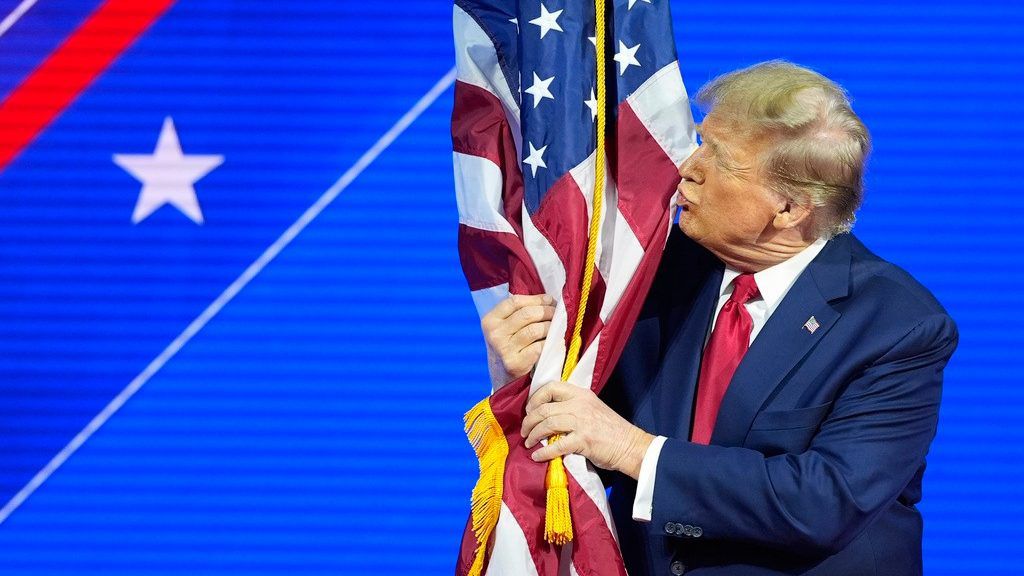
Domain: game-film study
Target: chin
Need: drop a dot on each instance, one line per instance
(686, 224)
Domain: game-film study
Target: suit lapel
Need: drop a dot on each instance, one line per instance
(784, 340)
(670, 403)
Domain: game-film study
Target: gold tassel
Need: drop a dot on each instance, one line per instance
(557, 520)
(491, 449)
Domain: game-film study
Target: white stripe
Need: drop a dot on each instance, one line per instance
(228, 294)
(662, 106)
(619, 265)
(15, 15)
(478, 187)
(511, 555)
(552, 276)
(477, 63)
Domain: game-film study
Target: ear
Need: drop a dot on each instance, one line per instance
(790, 215)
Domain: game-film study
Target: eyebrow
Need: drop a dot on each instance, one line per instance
(721, 154)
(711, 142)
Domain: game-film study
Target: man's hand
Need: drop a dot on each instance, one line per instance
(515, 330)
(588, 427)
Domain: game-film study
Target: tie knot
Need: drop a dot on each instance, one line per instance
(744, 288)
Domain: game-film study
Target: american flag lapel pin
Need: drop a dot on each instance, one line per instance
(812, 324)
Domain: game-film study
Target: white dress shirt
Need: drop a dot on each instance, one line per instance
(773, 283)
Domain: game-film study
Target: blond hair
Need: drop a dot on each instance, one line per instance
(817, 145)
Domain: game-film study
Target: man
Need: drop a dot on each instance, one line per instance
(773, 408)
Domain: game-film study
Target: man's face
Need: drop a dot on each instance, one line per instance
(726, 206)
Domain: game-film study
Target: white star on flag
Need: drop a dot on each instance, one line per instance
(547, 21)
(168, 175)
(592, 104)
(631, 2)
(593, 40)
(626, 57)
(539, 90)
(536, 158)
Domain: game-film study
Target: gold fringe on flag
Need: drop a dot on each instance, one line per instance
(491, 449)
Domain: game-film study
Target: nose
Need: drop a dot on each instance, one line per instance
(690, 170)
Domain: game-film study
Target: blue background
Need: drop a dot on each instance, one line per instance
(314, 425)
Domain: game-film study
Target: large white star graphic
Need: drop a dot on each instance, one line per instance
(536, 158)
(168, 175)
(547, 20)
(539, 90)
(626, 57)
(631, 2)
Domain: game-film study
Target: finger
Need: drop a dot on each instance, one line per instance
(568, 444)
(524, 360)
(532, 419)
(552, 392)
(529, 334)
(526, 316)
(506, 307)
(557, 424)
(531, 353)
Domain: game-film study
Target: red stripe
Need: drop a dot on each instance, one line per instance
(486, 255)
(646, 176)
(562, 219)
(480, 128)
(595, 551)
(70, 69)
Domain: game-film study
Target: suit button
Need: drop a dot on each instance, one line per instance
(697, 531)
(670, 527)
(677, 568)
(688, 530)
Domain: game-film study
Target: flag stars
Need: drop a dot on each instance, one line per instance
(547, 21)
(535, 159)
(632, 2)
(540, 89)
(592, 104)
(626, 57)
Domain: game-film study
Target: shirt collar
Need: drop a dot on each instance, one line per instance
(774, 282)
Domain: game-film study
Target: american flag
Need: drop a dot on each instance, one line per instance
(523, 131)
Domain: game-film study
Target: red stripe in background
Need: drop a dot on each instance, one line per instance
(69, 70)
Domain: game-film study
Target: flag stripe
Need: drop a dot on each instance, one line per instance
(58, 81)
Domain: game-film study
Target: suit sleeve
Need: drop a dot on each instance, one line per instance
(866, 451)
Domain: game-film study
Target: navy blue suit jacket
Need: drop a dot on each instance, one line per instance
(818, 451)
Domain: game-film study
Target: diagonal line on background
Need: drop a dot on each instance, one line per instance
(15, 15)
(229, 293)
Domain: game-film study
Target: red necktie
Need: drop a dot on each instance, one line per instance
(728, 343)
